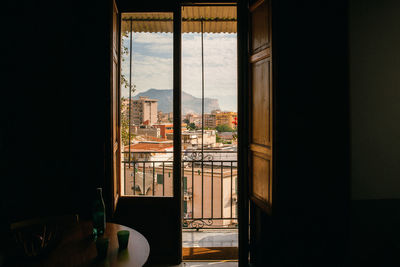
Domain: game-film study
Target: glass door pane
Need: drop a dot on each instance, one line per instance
(147, 104)
(209, 142)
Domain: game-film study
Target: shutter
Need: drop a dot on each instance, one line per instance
(260, 112)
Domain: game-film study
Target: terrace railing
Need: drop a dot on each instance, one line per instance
(209, 184)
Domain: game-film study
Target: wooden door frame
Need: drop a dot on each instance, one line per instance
(242, 104)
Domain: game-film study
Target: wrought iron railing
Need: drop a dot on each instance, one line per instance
(209, 184)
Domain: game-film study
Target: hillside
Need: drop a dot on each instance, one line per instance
(189, 103)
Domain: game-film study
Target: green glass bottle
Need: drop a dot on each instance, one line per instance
(99, 214)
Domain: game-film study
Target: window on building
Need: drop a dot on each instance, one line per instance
(160, 179)
(184, 184)
(185, 207)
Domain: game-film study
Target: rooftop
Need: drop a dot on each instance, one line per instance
(157, 139)
(145, 98)
(149, 147)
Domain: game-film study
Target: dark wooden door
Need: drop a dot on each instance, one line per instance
(261, 182)
(260, 149)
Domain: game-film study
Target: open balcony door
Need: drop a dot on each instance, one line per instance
(158, 218)
(115, 117)
(260, 150)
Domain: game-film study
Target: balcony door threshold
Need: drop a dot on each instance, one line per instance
(210, 253)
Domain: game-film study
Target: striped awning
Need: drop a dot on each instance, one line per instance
(216, 19)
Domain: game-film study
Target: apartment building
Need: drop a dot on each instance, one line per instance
(144, 111)
(210, 121)
(226, 118)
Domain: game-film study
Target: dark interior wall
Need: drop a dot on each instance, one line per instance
(375, 97)
(375, 131)
(53, 106)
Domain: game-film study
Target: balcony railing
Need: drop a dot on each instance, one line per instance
(209, 184)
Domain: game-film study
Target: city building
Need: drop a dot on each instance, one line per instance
(218, 201)
(230, 137)
(165, 117)
(149, 151)
(145, 130)
(165, 129)
(194, 118)
(210, 120)
(144, 111)
(192, 139)
(147, 160)
(226, 118)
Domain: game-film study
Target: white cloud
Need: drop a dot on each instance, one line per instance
(152, 38)
(220, 67)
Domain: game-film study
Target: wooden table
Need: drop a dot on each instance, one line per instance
(77, 248)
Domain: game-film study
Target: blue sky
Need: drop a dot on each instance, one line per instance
(152, 67)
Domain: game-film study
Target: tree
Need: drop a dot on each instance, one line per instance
(234, 136)
(125, 122)
(123, 79)
(218, 139)
(224, 128)
(125, 107)
(191, 126)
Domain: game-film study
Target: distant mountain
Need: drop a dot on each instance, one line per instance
(189, 103)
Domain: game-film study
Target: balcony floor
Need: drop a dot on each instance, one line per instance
(210, 238)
